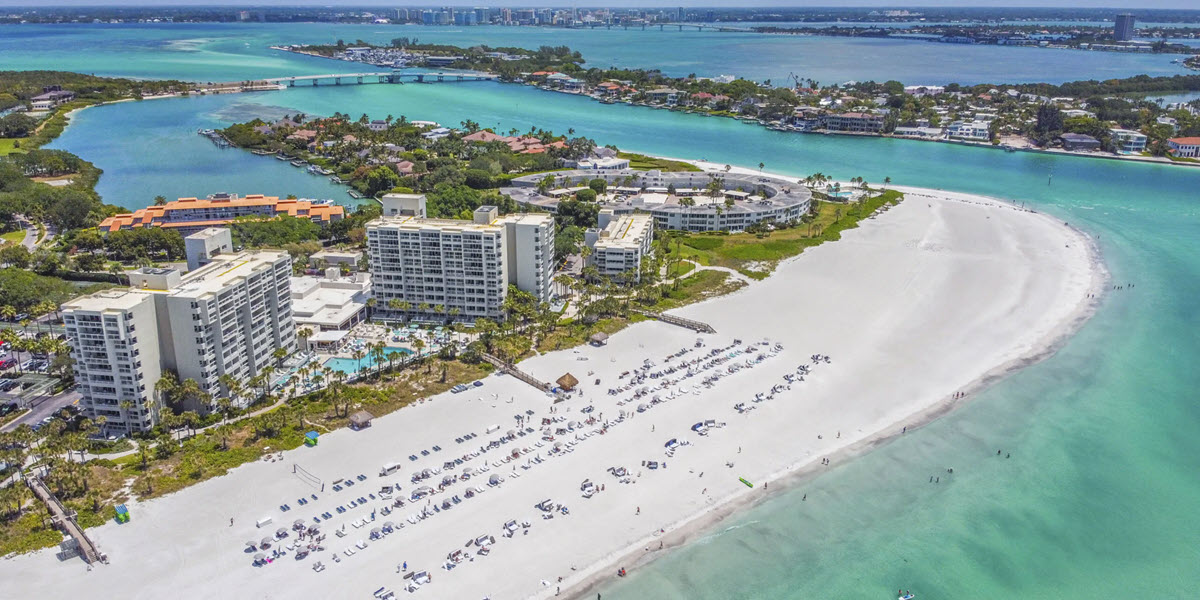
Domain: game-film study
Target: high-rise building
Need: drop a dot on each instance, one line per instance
(225, 318)
(1123, 28)
(464, 267)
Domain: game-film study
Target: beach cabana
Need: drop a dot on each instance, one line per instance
(122, 513)
(599, 339)
(567, 382)
(361, 420)
(310, 438)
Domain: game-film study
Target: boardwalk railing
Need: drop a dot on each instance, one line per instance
(512, 369)
(680, 321)
(64, 519)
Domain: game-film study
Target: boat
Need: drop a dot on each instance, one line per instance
(335, 179)
(261, 152)
(280, 157)
(205, 131)
(297, 163)
(907, 596)
(354, 194)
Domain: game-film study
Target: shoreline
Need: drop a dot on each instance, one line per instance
(700, 525)
(156, 540)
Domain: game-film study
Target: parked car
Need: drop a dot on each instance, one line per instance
(8, 363)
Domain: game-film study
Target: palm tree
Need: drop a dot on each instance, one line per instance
(279, 354)
(166, 387)
(760, 167)
(358, 356)
(8, 312)
(886, 181)
(304, 333)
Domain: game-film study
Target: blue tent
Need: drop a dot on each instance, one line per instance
(310, 438)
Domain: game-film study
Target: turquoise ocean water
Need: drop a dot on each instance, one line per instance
(1098, 497)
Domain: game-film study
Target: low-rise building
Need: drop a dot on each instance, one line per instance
(1127, 141)
(342, 259)
(1077, 142)
(51, 97)
(969, 130)
(189, 215)
(853, 122)
(1185, 147)
(330, 303)
(619, 243)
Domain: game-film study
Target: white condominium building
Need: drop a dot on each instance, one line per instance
(619, 243)
(226, 318)
(445, 268)
(114, 342)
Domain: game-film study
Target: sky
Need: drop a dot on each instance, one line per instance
(1104, 4)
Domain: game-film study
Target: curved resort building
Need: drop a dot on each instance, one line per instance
(755, 198)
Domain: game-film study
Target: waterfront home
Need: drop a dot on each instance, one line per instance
(1185, 147)
(1077, 142)
(969, 130)
(854, 122)
(1073, 113)
(377, 125)
(403, 167)
(926, 133)
(189, 215)
(51, 97)
(668, 96)
(1127, 141)
(303, 135)
(484, 136)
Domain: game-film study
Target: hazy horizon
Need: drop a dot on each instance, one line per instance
(763, 4)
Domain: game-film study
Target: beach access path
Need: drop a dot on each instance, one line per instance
(920, 302)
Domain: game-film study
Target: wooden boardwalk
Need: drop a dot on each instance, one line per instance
(512, 369)
(64, 519)
(680, 321)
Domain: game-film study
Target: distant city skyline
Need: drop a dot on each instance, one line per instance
(764, 4)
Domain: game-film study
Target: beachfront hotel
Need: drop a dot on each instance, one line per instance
(677, 200)
(190, 215)
(618, 244)
(462, 267)
(225, 318)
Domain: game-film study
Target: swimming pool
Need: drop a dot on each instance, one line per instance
(350, 366)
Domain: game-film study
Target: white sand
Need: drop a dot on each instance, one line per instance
(928, 299)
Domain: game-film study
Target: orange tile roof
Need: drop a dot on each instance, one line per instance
(156, 216)
(1186, 141)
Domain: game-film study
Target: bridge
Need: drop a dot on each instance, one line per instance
(678, 26)
(384, 77)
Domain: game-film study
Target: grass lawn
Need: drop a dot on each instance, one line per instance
(647, 163)
(13, 237)
(701, 286)
(755, 255)
(8, 146)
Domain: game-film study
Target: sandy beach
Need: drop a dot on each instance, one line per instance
(936, 296)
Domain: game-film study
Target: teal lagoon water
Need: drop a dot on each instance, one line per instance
(1098, 496)
(232, 52)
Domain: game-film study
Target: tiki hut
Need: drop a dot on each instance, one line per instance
(567, 382)
(599, 339)
(361, 419)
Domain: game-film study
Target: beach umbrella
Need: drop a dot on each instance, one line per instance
(259, 557)
(512, 433)
(266, 542)
(558, 445)
(389, 524)
(281, 531)
(494, 479)
(250, 544)
(376, 531)
(298, 523)
(642, 408)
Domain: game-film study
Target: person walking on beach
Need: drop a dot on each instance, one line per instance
(639, 511)
(231, 521)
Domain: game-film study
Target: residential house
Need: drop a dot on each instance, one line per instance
(969, 130)
(853, 122)
(1185, 147)
(1077, 142)
(1127, 141)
